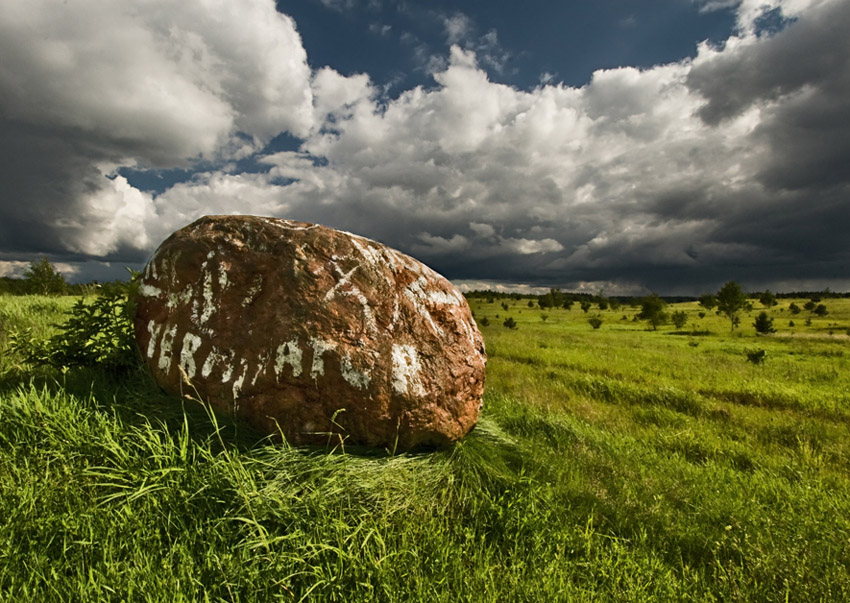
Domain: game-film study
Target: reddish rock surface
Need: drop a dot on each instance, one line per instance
(310, 330)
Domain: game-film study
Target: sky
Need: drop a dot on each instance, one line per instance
(617, 146)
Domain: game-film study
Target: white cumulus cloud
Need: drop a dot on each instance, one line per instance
(135, 83)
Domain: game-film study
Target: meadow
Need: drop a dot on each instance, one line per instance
(610, 464)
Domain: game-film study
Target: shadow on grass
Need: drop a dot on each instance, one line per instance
(135, 399)
(691, 333)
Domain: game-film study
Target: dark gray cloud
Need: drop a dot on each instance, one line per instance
(799, 79)
(813, 52)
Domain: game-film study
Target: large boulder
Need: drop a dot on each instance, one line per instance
(308, 331)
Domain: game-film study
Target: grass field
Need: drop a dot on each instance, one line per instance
(618, 464)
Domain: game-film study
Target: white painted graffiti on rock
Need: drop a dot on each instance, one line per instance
(319, 347)
(406, 371)
(288, 354)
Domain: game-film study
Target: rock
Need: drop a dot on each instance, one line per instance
(308, 331)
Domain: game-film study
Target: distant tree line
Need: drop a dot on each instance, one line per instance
(816, 296)
(13, 286)
(729, 301)
(555, 298)
(42, 278)
(490, 295)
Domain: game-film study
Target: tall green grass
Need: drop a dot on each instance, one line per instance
(618, 464)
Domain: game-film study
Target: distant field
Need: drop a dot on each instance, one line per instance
(618, 464)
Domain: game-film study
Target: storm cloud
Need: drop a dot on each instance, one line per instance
(87, 88)
(673, 178)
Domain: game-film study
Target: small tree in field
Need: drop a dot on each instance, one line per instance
(820, 310)
(707, 301)
(767, 299)
(652, 311)
(43, 279)
(730, 301)
(509, 323)
(764, 324)
(595, 322)
(585, 306)
(679, 318)
(756, 356)
(553, 299)
(794, 308)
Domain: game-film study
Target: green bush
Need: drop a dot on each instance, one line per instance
(97, 333)
(756, 356)
(764, 324)
(767, 299)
